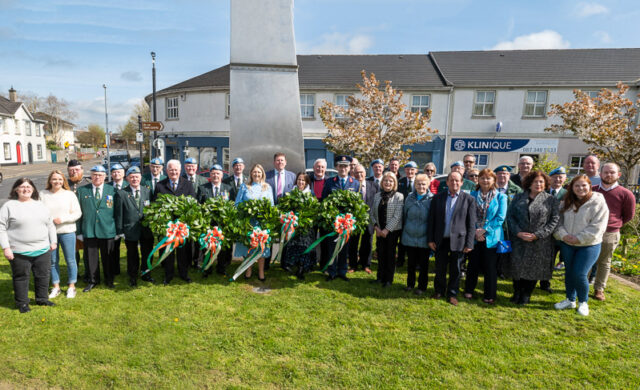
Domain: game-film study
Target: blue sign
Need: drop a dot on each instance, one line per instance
(487, 145)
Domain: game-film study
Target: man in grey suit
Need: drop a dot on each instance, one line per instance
(450, 233)
(368, 190)
(280, 180)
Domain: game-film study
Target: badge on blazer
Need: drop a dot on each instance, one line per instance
(109, 200)
(225, 195)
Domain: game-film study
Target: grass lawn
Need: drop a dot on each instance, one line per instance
(314, 334)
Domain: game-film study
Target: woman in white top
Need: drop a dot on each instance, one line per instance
(65, 211)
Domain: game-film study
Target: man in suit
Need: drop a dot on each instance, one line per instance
(97, 226)
(558, 178)
(176, 186)
(467, 185)
(235, 181)
(377, 167)
(451, 225)
(525, 164)
(280, 180)
(191, 169)
(129, 211)
(317, 179)
(347, 183)
(405, 187)
(118, 182)
(214, 189)
(368, 190)
(155, 174)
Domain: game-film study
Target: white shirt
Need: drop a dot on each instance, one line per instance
(118, 185)
(614, 185)
(101, 187)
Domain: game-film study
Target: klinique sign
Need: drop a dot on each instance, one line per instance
(504, 145)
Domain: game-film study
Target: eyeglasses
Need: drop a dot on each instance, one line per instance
(469, 162)
(473, 175)
(429, 170)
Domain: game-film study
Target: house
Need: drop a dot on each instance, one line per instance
(60, 131)
(21, 135)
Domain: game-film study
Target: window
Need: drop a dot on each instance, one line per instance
(575, 165)
(225, 159)
(420, 103)
(307, 105)
(39, 152)
(7, 151)
(341, 100)
(592, 94)
(482, 160)
(38, 127)
(536, 104)
(485, 103)
(17, 125)
(172, 108)
(227, 110)
(27, 127)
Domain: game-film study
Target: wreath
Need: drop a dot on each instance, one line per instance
(304, 205)
(169, 208)
(223, 214)
(343, 202)
(256, 212)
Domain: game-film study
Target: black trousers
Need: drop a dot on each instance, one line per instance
(183, 255)
(21, 267)
(386, 248)
(401, 251)
(418, 257)
(115, 257)
(524, 287)
(482, 259)
(105, 247)
(223, 261)
(363, 249)
(445, 257)
(137, 262)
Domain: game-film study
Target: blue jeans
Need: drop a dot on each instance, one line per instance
(578, 260)
(68, 243)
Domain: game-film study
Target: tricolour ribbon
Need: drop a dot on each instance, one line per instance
(289, 223)
(260, 239)
(177, 233)
(343, 226)
(211, 242)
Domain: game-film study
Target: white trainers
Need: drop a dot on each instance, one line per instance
(54, 293)
(566, 304)
(583, 309)
(71, 292)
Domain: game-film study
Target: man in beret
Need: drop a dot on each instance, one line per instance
(129, 212)
(467, 185)
(155, 175)
(377, 167)
(558, 178)
(191, 169)
(118, 182)
(235, 181)
(97, 226)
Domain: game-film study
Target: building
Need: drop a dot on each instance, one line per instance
(65, 133)
(21, 135)
(492, 104)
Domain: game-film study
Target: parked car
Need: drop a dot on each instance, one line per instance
(121, 157)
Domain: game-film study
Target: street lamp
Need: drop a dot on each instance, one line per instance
(106, 135)
(155, 111)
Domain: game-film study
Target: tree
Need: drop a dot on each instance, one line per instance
(547, 163)
(377, 125)
(608, 124)
(94, 136)
(129, 130)
(58, 111)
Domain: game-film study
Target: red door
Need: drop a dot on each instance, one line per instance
(19, 152)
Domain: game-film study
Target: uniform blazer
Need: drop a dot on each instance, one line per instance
(206, 191)
(231, 181)
(184, 188)
(333, 184)
(147, 180)
(494, 219)
(370, 191)
(289, 182)
(74, 186)
(200, 180)
(125, 184)
(129, 213)
(97, 221)
(463, 221)
(403, 186)
(560, 193)
(394, 211)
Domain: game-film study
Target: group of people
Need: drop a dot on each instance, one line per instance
(494, 222)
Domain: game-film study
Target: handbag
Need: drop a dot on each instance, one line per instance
(504, 246)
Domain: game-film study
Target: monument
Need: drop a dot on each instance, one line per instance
(264, 92)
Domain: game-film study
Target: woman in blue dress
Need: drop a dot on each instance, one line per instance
(255, 188)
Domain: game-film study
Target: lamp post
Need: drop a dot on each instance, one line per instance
(155, 110)
(106, 135)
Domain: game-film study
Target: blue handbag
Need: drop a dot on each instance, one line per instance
(504, 246)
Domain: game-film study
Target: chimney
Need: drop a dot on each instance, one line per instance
(12, 94)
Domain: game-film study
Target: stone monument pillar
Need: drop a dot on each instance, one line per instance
(264, 92)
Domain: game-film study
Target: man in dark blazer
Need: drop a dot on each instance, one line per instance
(97, 227)
(118, 182)
(280, 180)
(176, 186)
(451, 227)
(405, 187)
(235, 181)
(216, 189)
(191, 175)
(368, 190)
(156, 168)
(129, 211)
(377, 168)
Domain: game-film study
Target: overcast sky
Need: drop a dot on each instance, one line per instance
(71, 47)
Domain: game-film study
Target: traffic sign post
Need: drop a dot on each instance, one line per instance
(140, 138)
(152, 126)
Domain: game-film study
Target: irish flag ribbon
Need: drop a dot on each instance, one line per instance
(289, 223)
(177, 233)
(260, 239)
(343, 226)
(211, 242)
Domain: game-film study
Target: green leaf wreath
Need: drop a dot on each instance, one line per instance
(304, 204)
(169, 208)
(343, 202)
(222, 213)
(258, 212)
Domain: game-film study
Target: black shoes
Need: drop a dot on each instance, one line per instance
(187, 280)
(24, 308)
(45, 303)
(386, 284)
(375, 281)
(110, 285)
(524, 300)
(89, 287)
(133, 283)
(148, 278)
(330, 278)
(343, 277)
(166, 282)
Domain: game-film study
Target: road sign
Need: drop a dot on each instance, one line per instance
(139, 137)
(152, 126)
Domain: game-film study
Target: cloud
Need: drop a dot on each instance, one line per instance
(547, 39)
(337, 43)
(603, 36)
(584, 10)
(131, 75)
(92, 111)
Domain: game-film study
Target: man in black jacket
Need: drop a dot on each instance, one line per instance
(176, 186)
(450, 233)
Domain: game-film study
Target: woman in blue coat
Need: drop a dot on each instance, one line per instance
(491, 212)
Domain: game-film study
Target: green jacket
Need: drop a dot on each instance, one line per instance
(231, 181)
(97, 220)
(200, 180)
(129, 213)
(125, 184)
(147, 181)
(560, 194)
(467, 186)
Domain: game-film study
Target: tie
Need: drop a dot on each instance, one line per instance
(238, 182)
(362, 190)
(137, 195)
(279, 186)
(97, 195)
(553, 191)
(174, 185)
(410, 185)
(117, 186)
(155, 181)
(342, 182)
(215, 192)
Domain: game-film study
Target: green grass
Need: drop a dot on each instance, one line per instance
(314, 334)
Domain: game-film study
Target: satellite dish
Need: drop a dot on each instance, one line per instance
(498, 127)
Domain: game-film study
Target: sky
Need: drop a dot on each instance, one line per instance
(70, 48)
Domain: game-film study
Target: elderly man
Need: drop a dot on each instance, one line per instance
(451, 225)
(367, 190)
(155, 174)
(469, 161)
(97, 226)
(280, 180)
(525, 164)
(235, 181)
(191, 175)
(176, 186)
(377, 168)
(591, 166)
(467, 185)
(129, 211)
(317, 179)
(558, 178)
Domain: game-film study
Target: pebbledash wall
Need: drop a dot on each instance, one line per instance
(492, 104)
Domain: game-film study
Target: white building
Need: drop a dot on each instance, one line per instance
(21, 135)
(66, 133)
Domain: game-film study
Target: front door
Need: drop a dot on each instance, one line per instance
(19, 152)
(30, 153)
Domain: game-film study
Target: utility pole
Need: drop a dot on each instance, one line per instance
(141, 143)
(106, 134)
(155, 109)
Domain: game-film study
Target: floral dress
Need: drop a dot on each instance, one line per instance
(248, 192)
